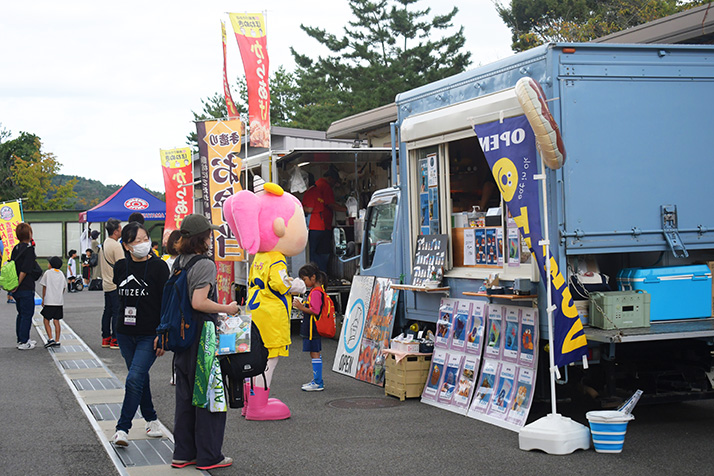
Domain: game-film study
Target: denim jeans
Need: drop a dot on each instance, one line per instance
(25, 304)
(111, 313)
(139, 355)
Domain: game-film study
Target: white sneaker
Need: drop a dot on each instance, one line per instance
(120, 438)
(313, 387)
(34, 342)
(27, 345)
(153, 429)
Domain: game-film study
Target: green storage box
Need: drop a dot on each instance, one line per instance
(622, 309)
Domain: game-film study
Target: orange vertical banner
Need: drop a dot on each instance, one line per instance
(178, 179)
(219, 143)
(250, 34)
(230, 105)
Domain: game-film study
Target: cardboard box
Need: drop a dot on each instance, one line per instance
(407, 347)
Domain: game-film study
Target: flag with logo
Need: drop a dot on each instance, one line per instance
(250, 34)
(10, 217)
(510, 150)
(230, 105)
(178, 182)
(219, 143)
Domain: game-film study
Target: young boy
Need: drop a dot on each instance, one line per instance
(53, 285)
(71, 269)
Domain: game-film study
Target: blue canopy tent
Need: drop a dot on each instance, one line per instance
(125, 201)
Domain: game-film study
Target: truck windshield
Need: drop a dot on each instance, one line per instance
(380, 227)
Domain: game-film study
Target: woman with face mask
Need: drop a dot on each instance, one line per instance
(140, 279)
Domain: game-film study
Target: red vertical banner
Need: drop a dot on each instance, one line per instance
(250, 34)
(178, 182)
(230, 105)
(224, 279)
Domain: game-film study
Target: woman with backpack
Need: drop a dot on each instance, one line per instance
(140, 279)
(28, 271)
(198, 433)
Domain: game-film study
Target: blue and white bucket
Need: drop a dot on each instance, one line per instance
(608, 428)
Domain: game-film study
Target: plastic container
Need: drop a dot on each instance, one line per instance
(678, 292)
(608, 428)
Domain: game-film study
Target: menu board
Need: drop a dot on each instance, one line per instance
(429, 258)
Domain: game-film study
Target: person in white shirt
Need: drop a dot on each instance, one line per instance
(71, 269)
(53, 287)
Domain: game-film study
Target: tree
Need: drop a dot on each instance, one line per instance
(386, 49)
(25, 145)
(32, 175)
(283, 94)
(534, 22)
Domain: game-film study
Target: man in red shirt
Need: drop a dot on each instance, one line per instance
(319, 203)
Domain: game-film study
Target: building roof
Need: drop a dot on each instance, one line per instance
(351, 127)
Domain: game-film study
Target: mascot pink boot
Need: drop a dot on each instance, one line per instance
(270, 224)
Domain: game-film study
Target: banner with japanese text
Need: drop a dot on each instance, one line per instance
(250, 34)
(230, 105)
(224, 279)
(510, 150)
(178, 179)
(10, 217)
(219, 143)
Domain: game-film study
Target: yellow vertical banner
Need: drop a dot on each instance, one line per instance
(10, 217)
(219, 143)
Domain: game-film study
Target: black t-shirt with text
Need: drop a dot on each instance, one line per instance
(140, 284)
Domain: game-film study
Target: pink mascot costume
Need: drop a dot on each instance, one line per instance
(270, 224)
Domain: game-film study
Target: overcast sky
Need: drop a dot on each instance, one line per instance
(106, 88)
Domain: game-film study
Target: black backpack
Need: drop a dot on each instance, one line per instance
(237, 367)
(179, 326)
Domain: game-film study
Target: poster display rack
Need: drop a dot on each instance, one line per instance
(485, 361)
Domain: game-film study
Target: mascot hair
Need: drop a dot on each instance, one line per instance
(251, 217)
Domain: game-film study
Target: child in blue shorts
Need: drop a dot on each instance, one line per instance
(315, 281)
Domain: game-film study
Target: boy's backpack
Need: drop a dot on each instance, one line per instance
(237, 367)
(325, 322)
(179, 327)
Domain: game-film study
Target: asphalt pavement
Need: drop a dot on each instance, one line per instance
(351, 428)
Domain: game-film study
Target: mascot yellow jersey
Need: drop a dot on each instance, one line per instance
(268, 298)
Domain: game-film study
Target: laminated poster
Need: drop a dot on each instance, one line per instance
(480, 239)
(491, 250)
(511, 334)
(494, 332)
(377, 329)
(522, 397)
(431, 389)
(350, 338)
(503, 393)
(460, 323)
(499, 246)
(514, 249)
(451, 374)
(443, 325)
(432, 170)
(474, 336)
(484, 390)
(423, 174)
(529, 338)
(466, 381)
(469, 247)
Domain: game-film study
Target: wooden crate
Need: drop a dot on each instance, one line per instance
(406, 378)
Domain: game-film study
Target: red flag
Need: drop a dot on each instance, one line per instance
(249, 29)
(230, 105)
(178, 179)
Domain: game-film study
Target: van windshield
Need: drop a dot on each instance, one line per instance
(380, 227)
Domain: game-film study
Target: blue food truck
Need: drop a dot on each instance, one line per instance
(633, 194)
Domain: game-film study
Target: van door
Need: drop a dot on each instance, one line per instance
(379, 246)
